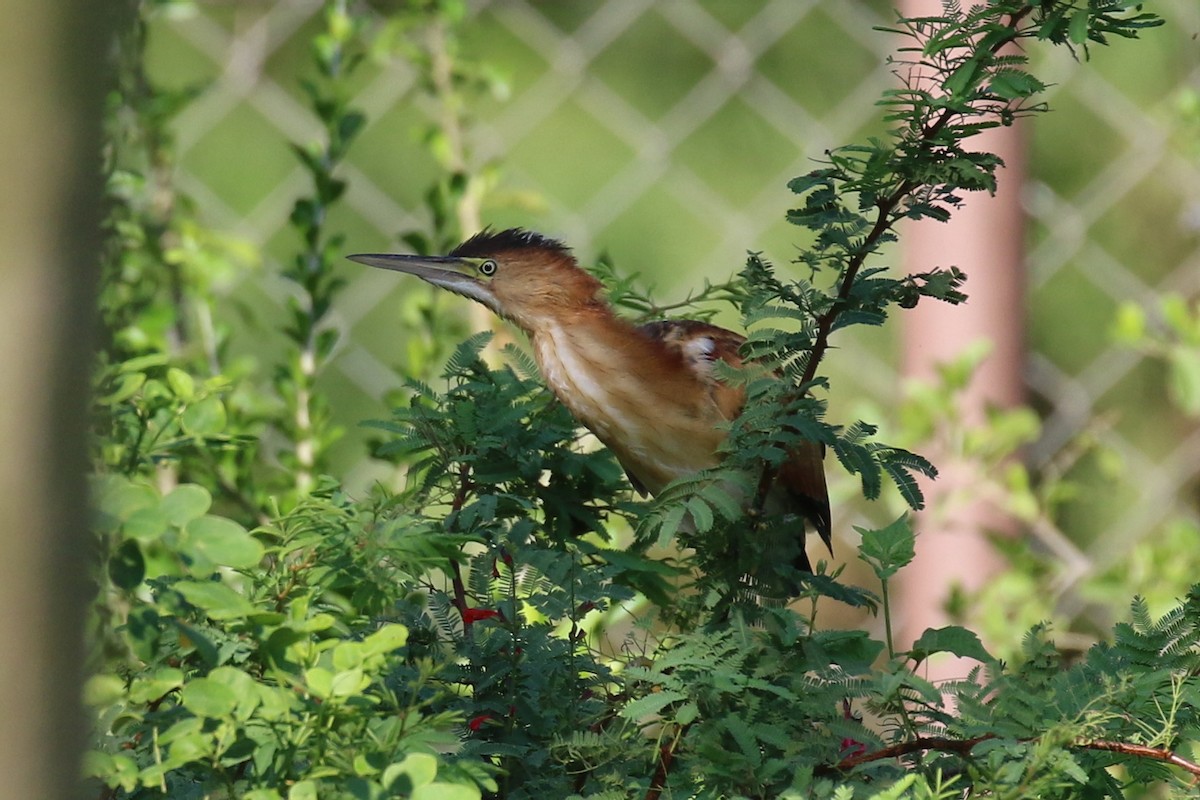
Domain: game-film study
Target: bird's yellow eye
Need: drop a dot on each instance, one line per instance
(488, 267)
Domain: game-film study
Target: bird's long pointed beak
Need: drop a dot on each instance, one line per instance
(449, 272)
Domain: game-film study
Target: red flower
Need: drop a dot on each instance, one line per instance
(477, 722)
(852, 748)
(470, 615)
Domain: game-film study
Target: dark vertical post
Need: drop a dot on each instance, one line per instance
(52, 82)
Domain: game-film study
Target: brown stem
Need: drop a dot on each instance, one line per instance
(1142, 751)
(456, 580)
(666, 755)
(885, 219)
(963, 747)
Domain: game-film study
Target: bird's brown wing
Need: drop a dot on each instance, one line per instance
(700, 345)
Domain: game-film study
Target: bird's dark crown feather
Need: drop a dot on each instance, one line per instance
(490, 242)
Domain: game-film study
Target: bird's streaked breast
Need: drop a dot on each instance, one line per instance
(660, 424)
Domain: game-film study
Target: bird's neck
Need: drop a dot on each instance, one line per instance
(639, 402)
(581, 356)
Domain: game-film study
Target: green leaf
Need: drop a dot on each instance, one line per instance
(348, 683)
(1184, 378)
(1077, 29)
(812, 180)
(116, 770)
(262, 794)
(205, 697)
(144, 362)
(672, 519)
(205, 417)
(127, 566)
(951, 639)
(215, 599)
(445, 791)
(223, 542)
(319, 681)
(120, 498)
(190, 637)
(303, 790)
(103, 690)
(347, 655)
(146, 524)
(419, 768)
(701, 514)
(126, 388)
(962, 78)
(853, 651)
(144, 629)
(149, 688)
(651, 704)
(181, 384)
(244, 688)
(889, 549)
(388, 638)
(185, 503)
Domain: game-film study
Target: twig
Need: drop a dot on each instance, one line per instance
(963, 747)
(1142, 751)
(666, 755)
(456, 580)
(886, 217)
(884, 220)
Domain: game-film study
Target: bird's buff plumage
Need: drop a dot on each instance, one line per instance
(649, 393)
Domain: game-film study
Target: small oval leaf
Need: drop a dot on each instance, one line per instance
(215, 599)
(181, 384)
(222, 541)
(205, 417)
(206, 697)
(185, 503)
(127, 567)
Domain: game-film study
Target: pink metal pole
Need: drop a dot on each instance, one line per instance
(986, 240)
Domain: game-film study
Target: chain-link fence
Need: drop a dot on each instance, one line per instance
(664, 132)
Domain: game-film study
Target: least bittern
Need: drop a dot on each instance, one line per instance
(648, 392)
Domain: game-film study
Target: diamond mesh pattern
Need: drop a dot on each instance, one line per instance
(665, 132)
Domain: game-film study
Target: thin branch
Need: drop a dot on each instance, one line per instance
(963, 747)
(884, 220)
(456, 579)
(1142, 751)
(886, 217)
(666, 756)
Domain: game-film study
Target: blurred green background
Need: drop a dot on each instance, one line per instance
(663, 135)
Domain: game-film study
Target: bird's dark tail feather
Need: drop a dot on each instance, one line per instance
(783, 563)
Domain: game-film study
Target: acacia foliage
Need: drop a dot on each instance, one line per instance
(512, 623)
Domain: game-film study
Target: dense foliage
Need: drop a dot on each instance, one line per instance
(512, 623)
